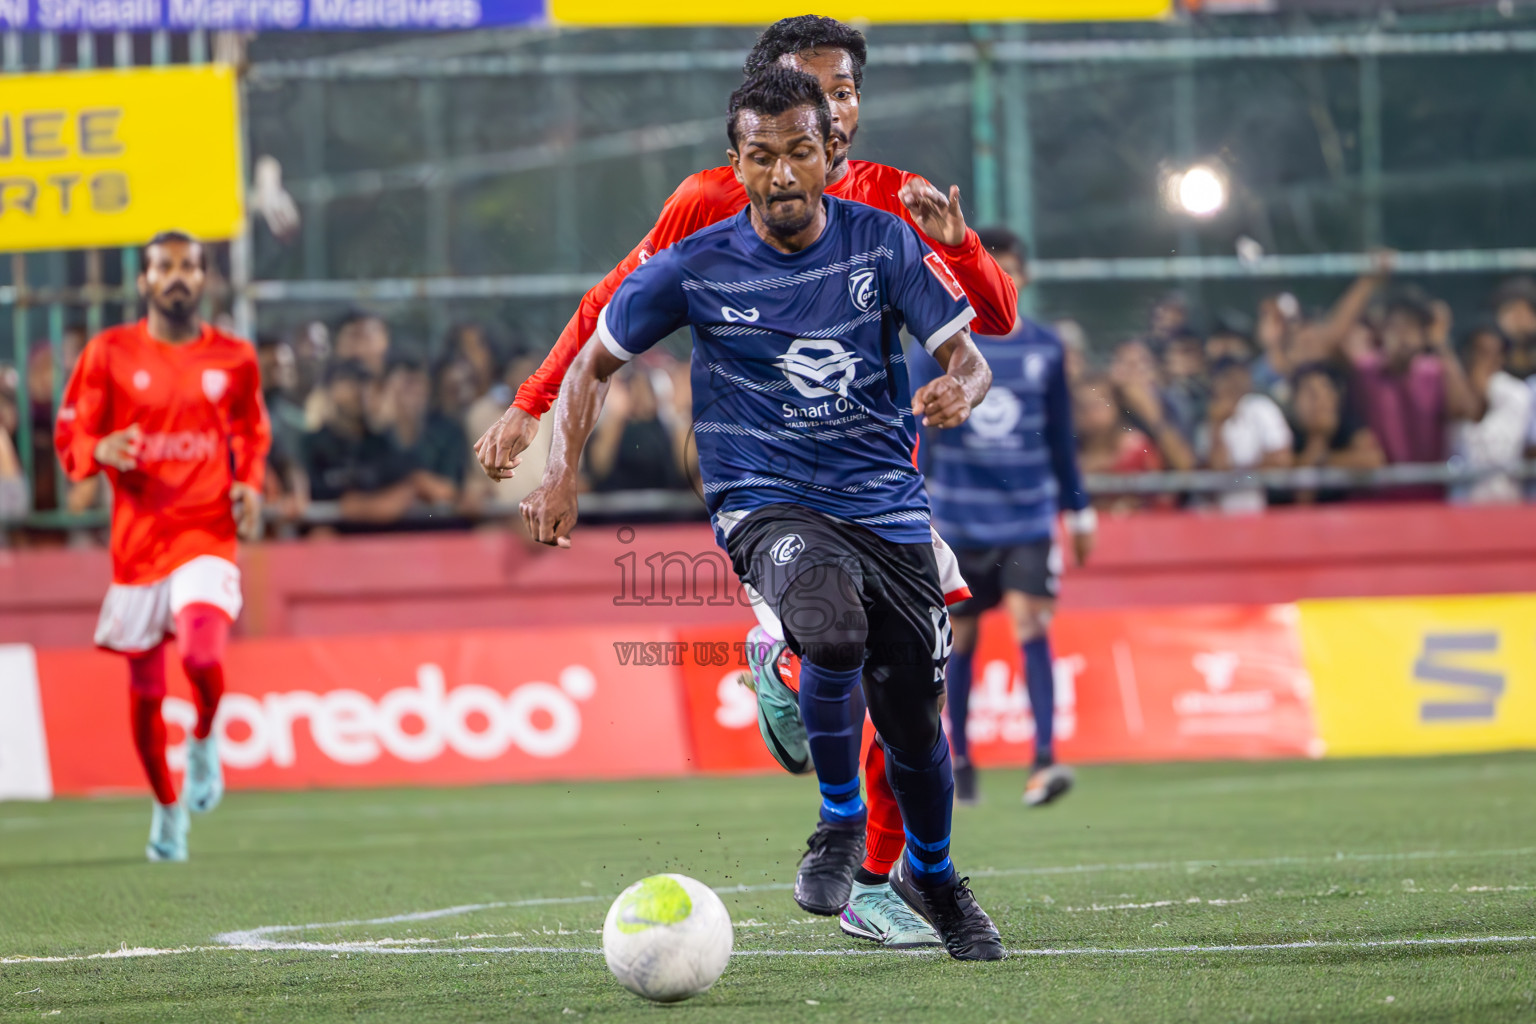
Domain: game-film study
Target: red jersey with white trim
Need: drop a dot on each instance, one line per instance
(204, 427)
(711, 196)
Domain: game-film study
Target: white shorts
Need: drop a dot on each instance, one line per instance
(136, 618)
(950, 581)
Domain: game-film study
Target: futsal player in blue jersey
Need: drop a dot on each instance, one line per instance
(996, 486)
(805, 420)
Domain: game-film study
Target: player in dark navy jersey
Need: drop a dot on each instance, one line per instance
(804, 420)
(997, 485)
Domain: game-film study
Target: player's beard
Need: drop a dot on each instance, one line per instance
(178, 306)
(788, 225)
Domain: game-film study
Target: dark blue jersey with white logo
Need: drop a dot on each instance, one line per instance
(999, 478)
(800, 389)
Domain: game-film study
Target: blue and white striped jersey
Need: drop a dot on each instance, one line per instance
(999, 478)
(800, 389)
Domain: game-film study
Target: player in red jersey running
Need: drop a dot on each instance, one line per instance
(835, 54)
(170, 409)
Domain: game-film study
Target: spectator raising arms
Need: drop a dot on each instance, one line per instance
(1496, 440)
(1243, 429)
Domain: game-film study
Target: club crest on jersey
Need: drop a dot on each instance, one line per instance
(141, 379)
(787, 548)
(937, 268)
(861, 289)
(733, 315)
(818, 367)
(997, 416)
(215, 383)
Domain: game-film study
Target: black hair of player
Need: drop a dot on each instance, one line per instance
(1002, 242)
(775, 90)
(807, 32)
(172, 238)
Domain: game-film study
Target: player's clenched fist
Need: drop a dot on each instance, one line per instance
(500, 448)
(550, 513)
(120, 449)
(942, 403)
(246, 503)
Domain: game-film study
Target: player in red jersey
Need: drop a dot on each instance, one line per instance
(834, 53)
(170, 409)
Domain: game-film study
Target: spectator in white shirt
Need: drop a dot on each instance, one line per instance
(1499, 436)
(1243, 429)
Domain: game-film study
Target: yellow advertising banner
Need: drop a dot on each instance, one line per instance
(1422, 675)
(105, 158)
(710, 12)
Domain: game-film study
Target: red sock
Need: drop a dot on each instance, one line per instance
(146, 691)
(201, 633)
(885, 833)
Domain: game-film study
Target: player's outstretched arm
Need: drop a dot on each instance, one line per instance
(947, 401)
(550, 511)
(941, 219)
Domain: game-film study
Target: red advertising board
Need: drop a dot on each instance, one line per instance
(1151, 685)
(1155, 685)
(440, 708)
(514, 705)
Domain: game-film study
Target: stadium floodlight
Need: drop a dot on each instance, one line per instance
(1199, 190)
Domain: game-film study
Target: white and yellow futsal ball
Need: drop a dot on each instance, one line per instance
(667, 937)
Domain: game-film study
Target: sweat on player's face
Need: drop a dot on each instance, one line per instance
(782, 162)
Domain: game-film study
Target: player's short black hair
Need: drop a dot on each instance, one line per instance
(807, 32)
(170, 237)
(1001, 242)
(774, 90)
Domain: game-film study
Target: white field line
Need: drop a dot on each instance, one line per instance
(336, 949)
(1255, 862)
(254, 939)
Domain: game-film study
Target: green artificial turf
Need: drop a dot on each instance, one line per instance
(1138, 857)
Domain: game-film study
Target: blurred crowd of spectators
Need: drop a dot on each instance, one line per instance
(1384, 377)
(367, 434)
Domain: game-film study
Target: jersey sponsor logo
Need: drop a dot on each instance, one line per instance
(141, 379)
(215, 383)
(818, 375)
(937, 268)
(997, 416)
(180, 446)
(861, 289)
(787, 548)
(733, 315)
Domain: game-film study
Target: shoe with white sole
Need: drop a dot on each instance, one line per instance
(876, 913)
(204, 785)
(167, 833)
(1048, 784)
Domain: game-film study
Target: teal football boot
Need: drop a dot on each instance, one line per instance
(204, 785)
(778, 707)
(167, 833)
(876, 913)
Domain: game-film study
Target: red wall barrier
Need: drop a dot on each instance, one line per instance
(481, 580)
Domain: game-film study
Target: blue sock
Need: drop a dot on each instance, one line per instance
(924, 784)
(1039, 680)
(828, 706)
(957, 682)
